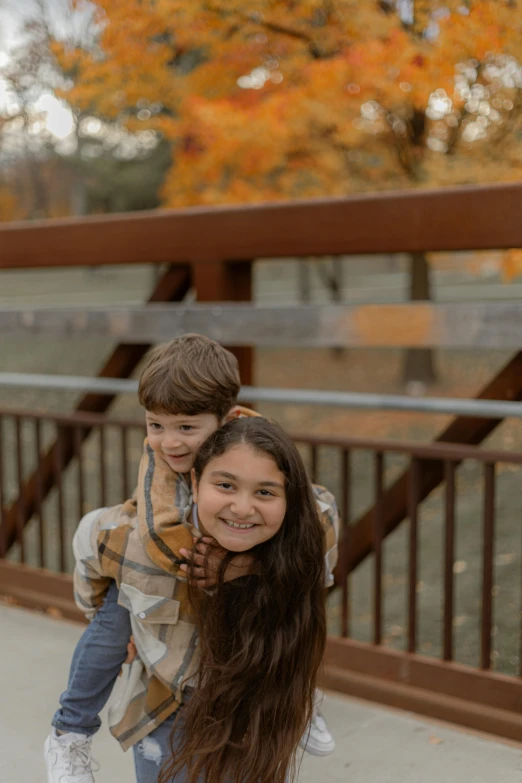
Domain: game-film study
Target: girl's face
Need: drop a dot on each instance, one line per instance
(241, 498)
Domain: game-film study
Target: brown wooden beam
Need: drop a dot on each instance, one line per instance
(173, 285)
(417, 325)
(483, 701)
(38, 588)
(231, 282)
(506, 386)
(475, 217)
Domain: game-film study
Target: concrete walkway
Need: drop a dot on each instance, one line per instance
(374, 745)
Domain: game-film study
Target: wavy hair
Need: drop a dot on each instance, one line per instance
(261, 637)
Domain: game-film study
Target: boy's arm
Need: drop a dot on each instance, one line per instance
(329, 516)
(164, 502)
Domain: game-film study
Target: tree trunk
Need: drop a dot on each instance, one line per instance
(419, 365)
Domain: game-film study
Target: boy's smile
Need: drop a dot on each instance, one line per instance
(176, 437)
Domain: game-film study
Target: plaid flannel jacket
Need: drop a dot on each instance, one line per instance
(137, 544)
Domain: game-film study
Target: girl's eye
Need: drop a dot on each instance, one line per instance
(265, 493)
(186, 428)
(225, 485)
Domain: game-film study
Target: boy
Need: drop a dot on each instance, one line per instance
(128, 577)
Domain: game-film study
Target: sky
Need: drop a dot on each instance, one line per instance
(56, 117)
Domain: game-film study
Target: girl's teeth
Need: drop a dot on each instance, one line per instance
(241, 527)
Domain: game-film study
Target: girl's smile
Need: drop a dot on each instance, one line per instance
(241, 498)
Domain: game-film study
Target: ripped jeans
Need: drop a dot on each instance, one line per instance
(151, 752)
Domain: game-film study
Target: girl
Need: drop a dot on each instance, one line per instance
(262, 636)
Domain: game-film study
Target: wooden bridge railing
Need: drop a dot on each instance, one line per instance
(482, 689)
(211, 249)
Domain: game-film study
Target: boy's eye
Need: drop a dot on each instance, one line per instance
(155, 426)
(225, 485)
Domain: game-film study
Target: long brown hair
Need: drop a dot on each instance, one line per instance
(261, 637)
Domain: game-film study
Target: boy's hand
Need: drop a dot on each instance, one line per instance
(132, 652)
(207, 560)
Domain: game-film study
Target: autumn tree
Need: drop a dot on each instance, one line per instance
(311, 98)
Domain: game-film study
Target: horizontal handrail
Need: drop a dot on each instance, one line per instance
(490, 409)
(452, 452)
(408, 221)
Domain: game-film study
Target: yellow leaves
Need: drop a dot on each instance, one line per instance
(300, 134)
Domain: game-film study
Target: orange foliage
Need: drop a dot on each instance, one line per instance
(280, 99)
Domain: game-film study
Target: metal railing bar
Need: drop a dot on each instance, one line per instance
(345, 537)
(413, 503)
(449, 559)
(102, 468)
(451, 406)
(37, 423)
(487, 564)
(78, 440)
(124, 445)
(377, 537)
(58, 466)
(435, 450)
(20, 482)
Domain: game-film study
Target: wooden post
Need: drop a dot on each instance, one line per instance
(227, 281)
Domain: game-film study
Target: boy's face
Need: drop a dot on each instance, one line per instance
(176, 437)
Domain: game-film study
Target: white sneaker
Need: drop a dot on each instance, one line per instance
(317, 740)
(68, 758)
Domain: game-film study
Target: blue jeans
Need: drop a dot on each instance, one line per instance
(153, 750)
(95, 665)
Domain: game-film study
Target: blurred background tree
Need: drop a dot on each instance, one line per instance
(313, 98)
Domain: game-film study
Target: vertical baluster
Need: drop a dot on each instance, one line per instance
(313, 468)
(487, 564)
(3, 545)
(20, 481)
(58, 464)
(377, 536)
(39, 490)
(449, 559)
(103, 480)
(124, 463)
(413, 502)
(78, 442)
(345, 539)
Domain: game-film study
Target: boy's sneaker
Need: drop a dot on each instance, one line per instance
(317, 740)
(68, 758)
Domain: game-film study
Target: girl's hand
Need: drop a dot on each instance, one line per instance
(206, 560)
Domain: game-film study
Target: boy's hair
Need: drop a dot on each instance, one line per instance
(190, 375)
